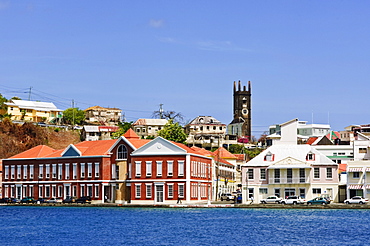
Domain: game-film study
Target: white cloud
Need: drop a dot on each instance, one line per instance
(156, 23)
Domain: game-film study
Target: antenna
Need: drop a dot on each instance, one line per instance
(161, 111)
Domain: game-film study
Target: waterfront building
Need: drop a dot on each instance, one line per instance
(286, 169)
(165, 172)
(91, 168)
(33, 111)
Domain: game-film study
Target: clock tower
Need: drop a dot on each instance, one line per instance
(242, 122)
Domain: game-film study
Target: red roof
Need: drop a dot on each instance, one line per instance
(311, 140)
(202, 151)
(130, 134)
(241, 157)
(35, 152)
(224, 154)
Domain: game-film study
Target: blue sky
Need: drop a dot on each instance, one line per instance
(305, 59)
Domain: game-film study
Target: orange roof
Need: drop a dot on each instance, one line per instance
(202, 151)
(241, 157)
(186, 148)
(342, 167)
(223, 161)
(137, 143)
(223, 153)
(35, 152)
(89, 148)
(130, 134)
(311, 140)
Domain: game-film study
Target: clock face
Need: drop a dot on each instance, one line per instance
(245, 111)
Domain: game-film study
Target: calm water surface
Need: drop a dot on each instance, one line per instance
(182, 226)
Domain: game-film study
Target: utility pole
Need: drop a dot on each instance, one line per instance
(29, 94)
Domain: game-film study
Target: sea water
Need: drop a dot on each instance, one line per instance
(31, 225)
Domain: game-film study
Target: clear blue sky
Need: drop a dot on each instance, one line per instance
(305, 59)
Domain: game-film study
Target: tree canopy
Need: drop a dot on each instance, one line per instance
(173, 132)
(123, 128)
(169, 115)
(73, 116)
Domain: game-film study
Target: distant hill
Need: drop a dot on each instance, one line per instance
(16, 138)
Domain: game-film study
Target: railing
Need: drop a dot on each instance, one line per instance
(297, 180)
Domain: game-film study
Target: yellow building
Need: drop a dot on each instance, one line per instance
(33, 111)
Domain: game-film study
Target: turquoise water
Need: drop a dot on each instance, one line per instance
(182, 226)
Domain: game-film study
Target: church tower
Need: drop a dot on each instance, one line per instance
(242, 122)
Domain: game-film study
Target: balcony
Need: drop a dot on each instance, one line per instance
(303, 180)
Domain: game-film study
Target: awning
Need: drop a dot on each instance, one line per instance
(354, 187)
(288, 166)
(367, 186)
(355, 169)
(227, 169)
(367, 169)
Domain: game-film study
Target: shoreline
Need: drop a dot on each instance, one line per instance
(218, 205)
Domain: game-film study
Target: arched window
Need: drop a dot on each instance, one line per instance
(310, 156)
(122, 152)
(269, 156)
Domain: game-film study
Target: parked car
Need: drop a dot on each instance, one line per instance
(40, 200)
(28, 200)
(271, 199)
(53, 200)
(15, 200)
(293, 200)
(5, 200)
(227, 196)
(83, 199)
(356, 199)
(69, 199)
(318, 200)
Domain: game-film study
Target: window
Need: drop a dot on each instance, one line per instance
(90, 190)
(47, 171)
(302, 175)
(263, 191)
(137, 190)
(25, 172)
(82, 166)
(181, 168)
(250, 174)
(19, 169)
(316, 191)
(148, 168)
(262, 173)
(356, 175)
(269, 157)
(47, 191)
(329, 172)
(114, 172)
(96, 193)
(12, 172)
(31, 171)
(316, 173)
(67, 171)
(137, 168)
(82, 190)
(60, 171)
(289, 175)
(89, 170)
(74, 171)
(362, 150)
(181, 190)
(169, 168)
(122, 152)
(41, 171)
(159, 168)
(277, 175)
(60, 191)
(6, 172)
(148, 191)
(97, 169)
(277, 192)
(310, 156)
(40, 191)
(54, 170)
(74, 190)
(170, 190)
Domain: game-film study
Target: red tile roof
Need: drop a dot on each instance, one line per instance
(202, 151)
(130, 134)
(223, 153)
(35, 152)
(311, 140)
